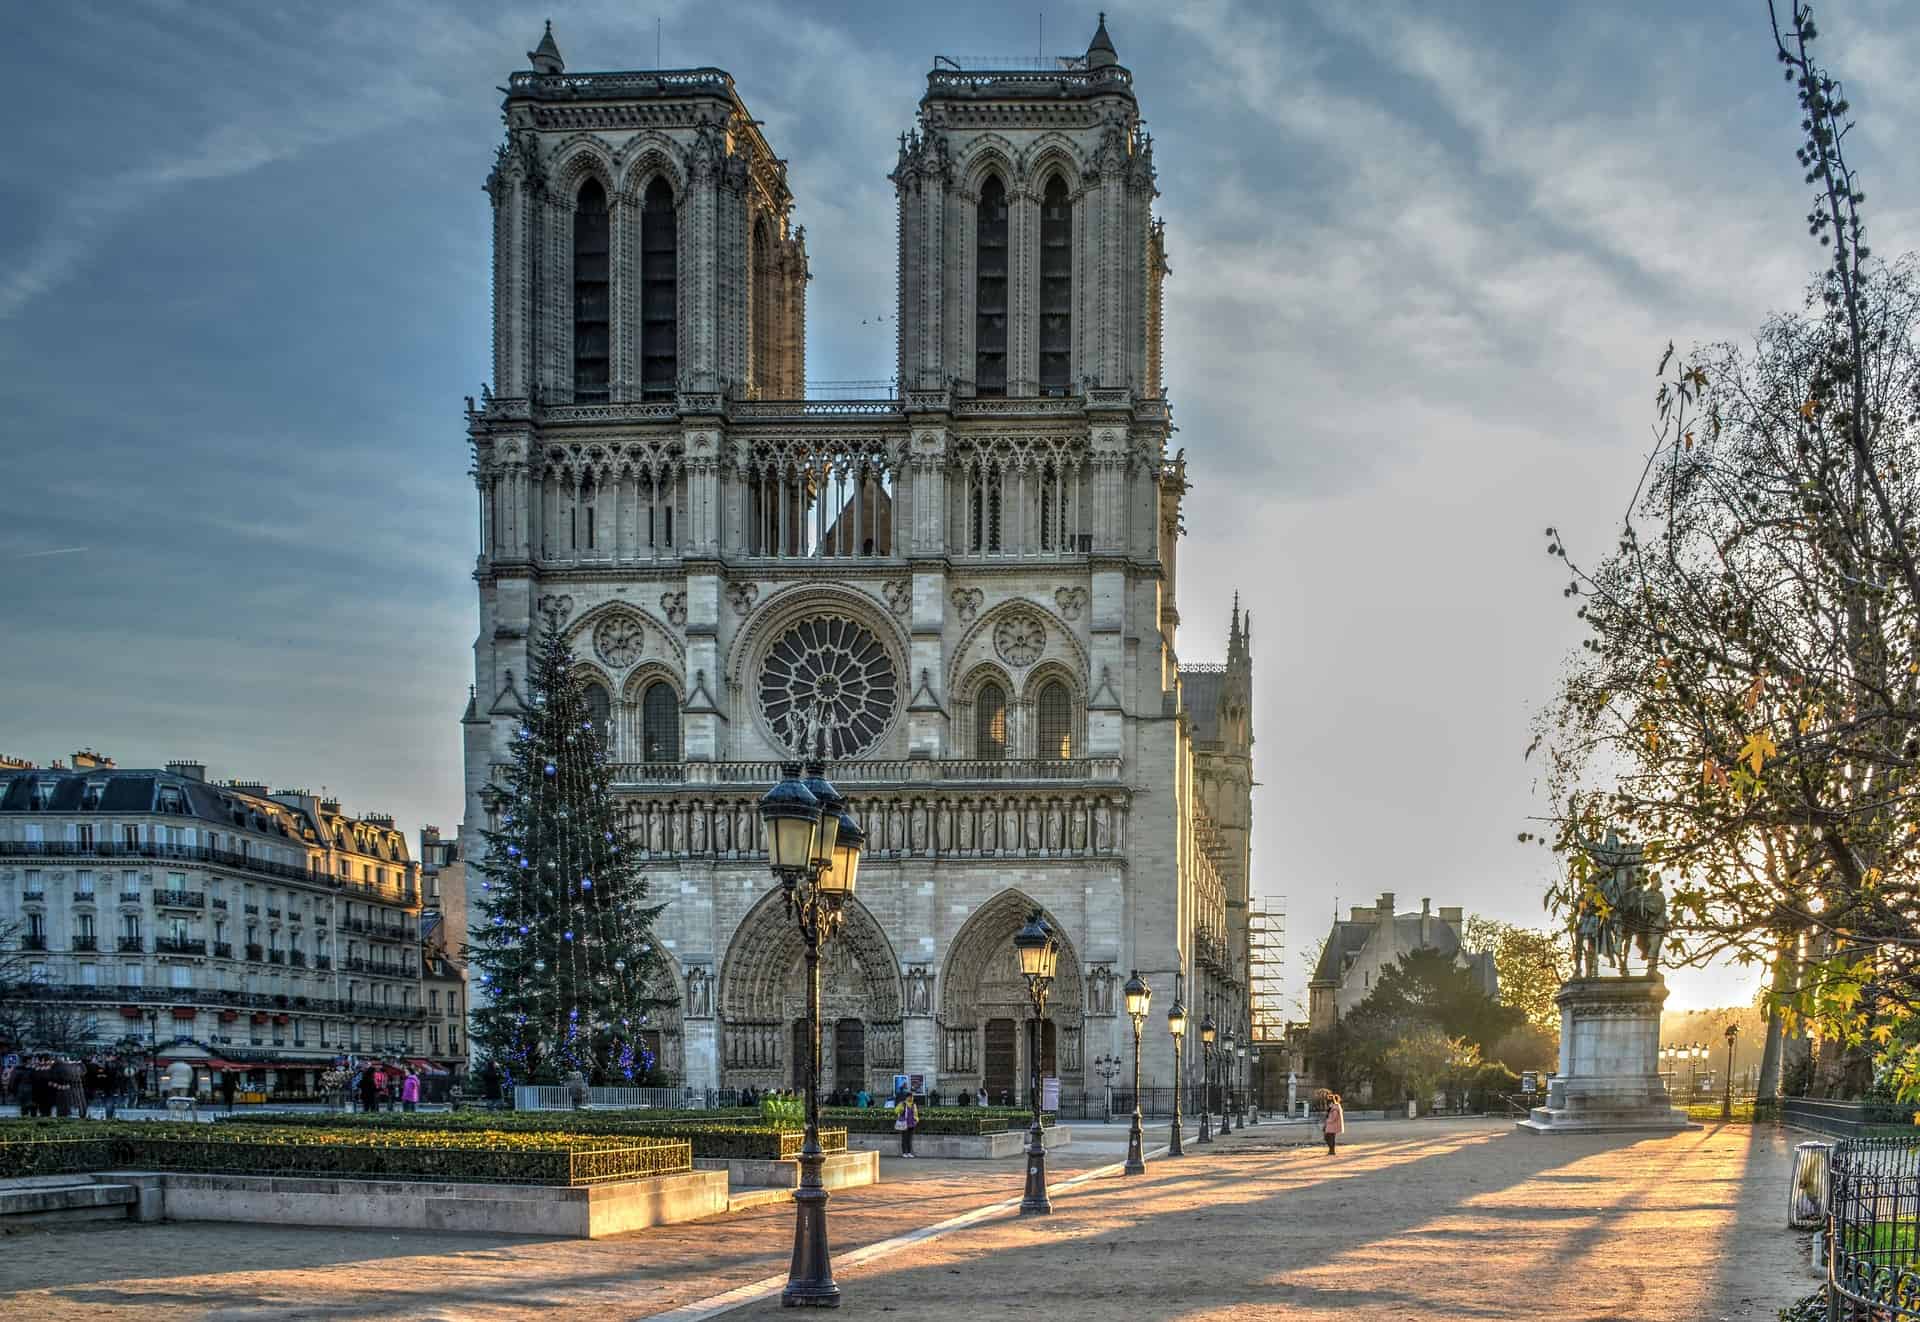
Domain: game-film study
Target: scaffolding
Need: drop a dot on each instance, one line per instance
(1266, 949)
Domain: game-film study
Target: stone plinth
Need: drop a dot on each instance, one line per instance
(1609, 1077)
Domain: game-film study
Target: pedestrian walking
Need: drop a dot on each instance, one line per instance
(369, 1089)
(228, 1084)
(410, 1092)
(1336, 1121)
(906, 1119)
(379, 1088)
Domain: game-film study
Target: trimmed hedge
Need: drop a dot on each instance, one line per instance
(722, 1140)
(965, 1120)
(471, 1156)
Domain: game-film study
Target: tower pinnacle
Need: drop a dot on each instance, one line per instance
(1100, 52)
(546, 56)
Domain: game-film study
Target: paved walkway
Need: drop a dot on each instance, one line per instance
(1427, 1219)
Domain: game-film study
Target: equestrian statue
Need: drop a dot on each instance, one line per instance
(1624, 910)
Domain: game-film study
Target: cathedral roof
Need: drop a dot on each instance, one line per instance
(1100, 51)
(1200, 688)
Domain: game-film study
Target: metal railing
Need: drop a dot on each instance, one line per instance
(1844, 1119)
(1873, 1259)
(154, 850)
(171, 899)
(876, 771)
(167, 945)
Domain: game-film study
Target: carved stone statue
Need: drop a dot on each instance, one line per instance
(919, 991)
(699, 993)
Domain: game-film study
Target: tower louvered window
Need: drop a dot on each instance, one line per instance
(990, 291)
(659, 366)
(1054, 716)
(590, 296)
(1056, 288)
(660, 723)
(990, 722)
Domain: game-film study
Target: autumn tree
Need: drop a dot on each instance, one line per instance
(1746, 702)
(1531, 964)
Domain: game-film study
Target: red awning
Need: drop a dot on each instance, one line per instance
(427, 1065)
(130, 1011)
(183, 1012)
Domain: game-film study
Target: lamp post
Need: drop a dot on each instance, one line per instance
(1177, 1025)
(1107, 1067)
(1039, 954)
(1226, 1084)
(1249, 1063)
(1206, 1085)
(813, 850)
(1139, 996)
(1695, 1053)
(153, 1051)
(1726, 1098)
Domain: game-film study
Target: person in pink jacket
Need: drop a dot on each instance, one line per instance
(410, 1092)
(1336, 1122)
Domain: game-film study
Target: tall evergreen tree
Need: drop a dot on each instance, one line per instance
(564, 942)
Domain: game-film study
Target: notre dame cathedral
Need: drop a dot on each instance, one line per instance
(974, 576)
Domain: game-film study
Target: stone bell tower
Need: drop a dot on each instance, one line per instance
(1029, 261)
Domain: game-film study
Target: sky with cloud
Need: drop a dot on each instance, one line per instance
(1425, 258)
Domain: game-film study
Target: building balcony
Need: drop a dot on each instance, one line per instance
(180, 899)
(273, 913)
(219, 903)
(297, 958)
(129, 897)
(223, 949)
(33, 941)
(250, 908)
(169, 945)
(131, 945)
(83, 897)
(86, 943)
(276, 957)
(33, 897)
(323, 961)
(151, 850)
(254, 953)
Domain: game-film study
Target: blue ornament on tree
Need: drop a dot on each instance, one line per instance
(551, 769)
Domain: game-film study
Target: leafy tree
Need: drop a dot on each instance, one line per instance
(564, 946)
(1425, 986)
(15, 980)
(1532, 965)
(1747, 701)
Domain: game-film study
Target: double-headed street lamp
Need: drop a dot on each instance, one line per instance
(1177, 1025)
(1206, 1085)
(813, 849)
(1108, 1068)
(1039, 954)
(1139, 996)
(1726, 1099)
(1226, 1083)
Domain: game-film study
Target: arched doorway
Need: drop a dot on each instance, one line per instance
(763, 1004)
(984, 1007)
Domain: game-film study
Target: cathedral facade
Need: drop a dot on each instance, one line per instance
(970, 583)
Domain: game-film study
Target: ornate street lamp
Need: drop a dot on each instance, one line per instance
(1249, 1057)
(1726, 1099)
(1039, 954)
(1108, 1068)
(1207, 1032)
(1139, 996)
(1226, 1083)
(813, 850)
(1176, 1025)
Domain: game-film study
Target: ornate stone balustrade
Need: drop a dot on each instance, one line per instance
(874, 771)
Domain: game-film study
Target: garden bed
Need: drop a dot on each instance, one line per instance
(957, 1120)
(727, 1140)
(570, 1160)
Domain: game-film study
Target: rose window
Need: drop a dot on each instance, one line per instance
(618, 640)
(1020, 639)
(829, 672)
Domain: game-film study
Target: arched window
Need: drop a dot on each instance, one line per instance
(990, 722)
(599, 707)
(659, 366)
(660, 723)
(990, 290)
(1054, 715)
(590, 300)
(1056, 288)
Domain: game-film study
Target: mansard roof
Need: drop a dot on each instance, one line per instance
(1200, 688)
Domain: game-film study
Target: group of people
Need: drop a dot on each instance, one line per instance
(51, 1085)
(864, 1099)
(382, 1087)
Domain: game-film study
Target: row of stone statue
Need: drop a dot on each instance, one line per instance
(899, 824)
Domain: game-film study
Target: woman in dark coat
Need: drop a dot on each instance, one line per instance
(369, 1090)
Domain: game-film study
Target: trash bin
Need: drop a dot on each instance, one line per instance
(1807, 1192)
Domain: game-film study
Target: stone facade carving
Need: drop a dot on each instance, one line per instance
(1100, 990)
(675, 606)
(741, 597)
(966, 603)
(619, 640)
(899, 594)
(699, 993)
(556, 607)
(919, 991)
(1071, 601)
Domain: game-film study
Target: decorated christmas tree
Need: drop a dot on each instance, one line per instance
(563, 942)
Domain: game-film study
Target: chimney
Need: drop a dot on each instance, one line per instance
(379, 819)
(1452, 914)
(88, 760)
(188, 770)
(1426, 921)
(15, 763)
(1361, 914)
(330, 806)
(1386, 905)
(254, 787)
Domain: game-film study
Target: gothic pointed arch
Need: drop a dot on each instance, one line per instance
(663, 1029)
(991, 286)
(659, 289)
(762, 999)
(592, 292)
(1056, 283)
(981, 987)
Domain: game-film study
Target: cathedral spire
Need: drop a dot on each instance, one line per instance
(546, 56)
(1100, 51)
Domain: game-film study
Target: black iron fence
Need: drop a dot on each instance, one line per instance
(1874, 1259)
(1844, 1119)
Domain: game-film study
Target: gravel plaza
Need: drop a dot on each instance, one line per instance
(1428, 1219)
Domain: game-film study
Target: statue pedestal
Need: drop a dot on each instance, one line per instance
(1609, 1079)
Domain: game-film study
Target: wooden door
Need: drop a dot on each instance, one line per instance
(849, 1055)
(1002, 1060)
